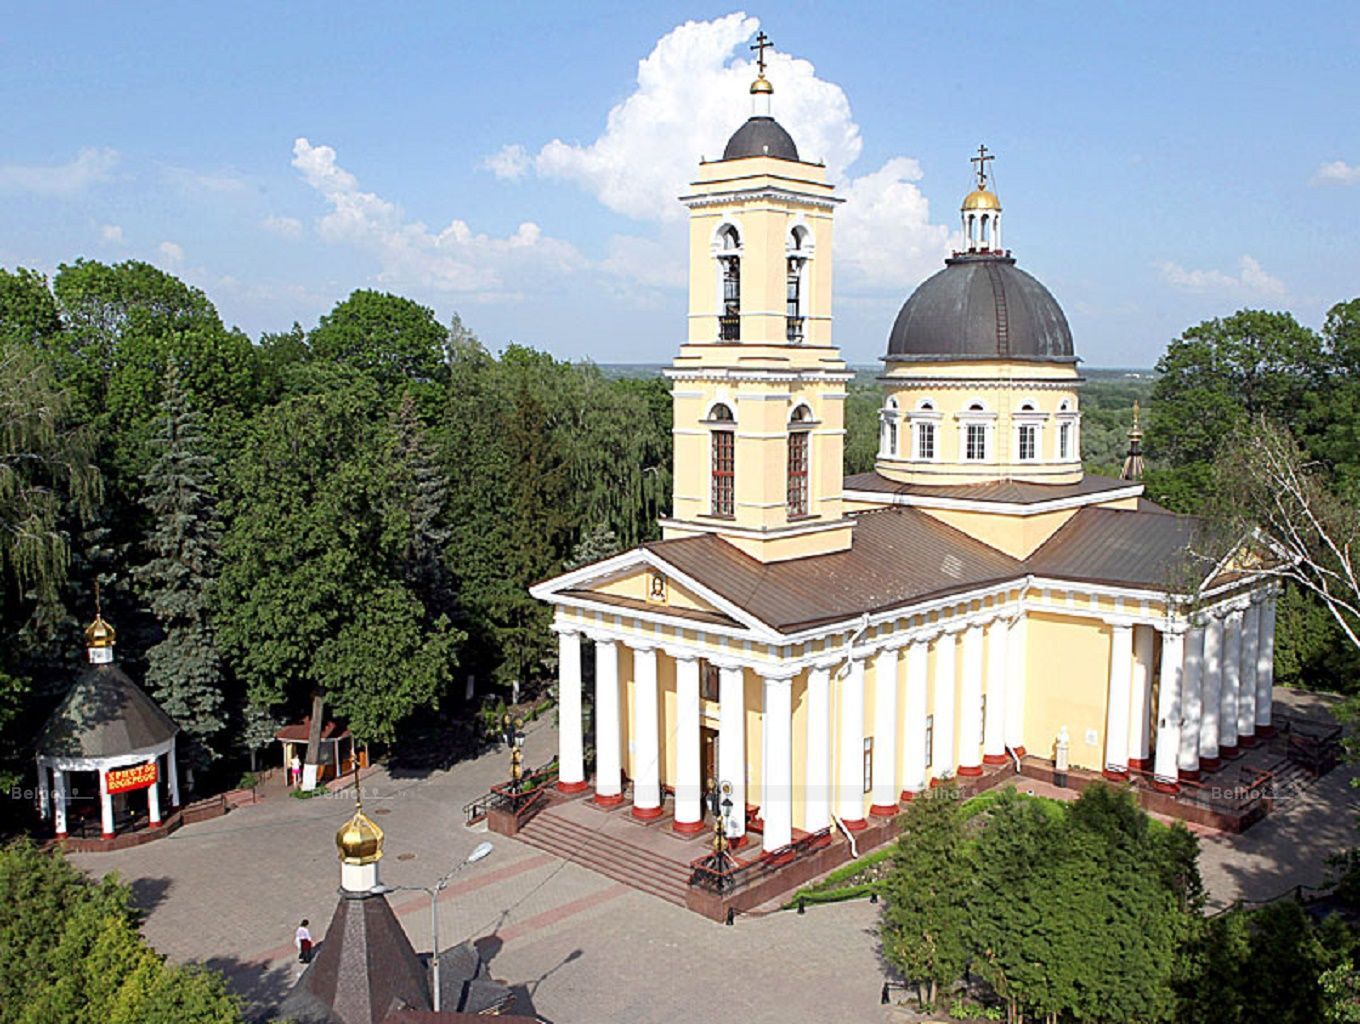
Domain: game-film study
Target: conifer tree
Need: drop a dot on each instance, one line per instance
(184, 670)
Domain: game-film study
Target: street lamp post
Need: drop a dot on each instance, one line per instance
(433, 891)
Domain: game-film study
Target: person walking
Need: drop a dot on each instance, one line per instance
(303, 938)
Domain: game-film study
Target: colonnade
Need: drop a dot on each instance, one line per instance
(53, 797)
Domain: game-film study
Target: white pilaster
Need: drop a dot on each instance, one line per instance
(942, 757)
(153, 797)
(1140, 697)
(998, 671)
(817, 795)
(1265, 668)
(1117, 712)
(732, 744)
(689, 815)
(59, 802)
(1246, 687)
(1227, 698)
(1192, 701)
(1165, 769)
(850, 778)
(970, 703)
(1015, 686)
(571, 767)
(914, 736)
(645, 736)
(884, 800)
(105, 805)
(776, 800)
(1211, 692)
(608, 734)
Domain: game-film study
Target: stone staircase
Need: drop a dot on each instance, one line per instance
(608, 854)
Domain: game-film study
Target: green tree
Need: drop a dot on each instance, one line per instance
(925, 923)
(28, 313)
(184, 669)
(392, 340)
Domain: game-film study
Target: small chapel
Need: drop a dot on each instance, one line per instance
(823, 647)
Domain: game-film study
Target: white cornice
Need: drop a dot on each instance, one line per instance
(1007, 508)
(722, 374)
(984, 383)
(746, 195)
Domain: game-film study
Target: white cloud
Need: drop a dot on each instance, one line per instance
(89, 167)
(454, 259)
(1338, 172)
(220, 182)
(284, 227)
(111, 233)
(173, 252)
(512, 162)
(691, 94)
(1251, 280)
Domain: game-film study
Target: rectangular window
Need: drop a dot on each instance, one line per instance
(729, 322)
(925, 441)
(709, 681)
(1064, 441)
(930, 740)
(975, 442)
(868, 764)
(793, 307)
(1028, 436)
(798, 473)
(724, 472)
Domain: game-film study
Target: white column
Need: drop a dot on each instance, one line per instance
(153, 797)
(998, 671)
(970, 703)
(44, 799)
(1165, 766)
(1140, 698)
(645, 736)
(59, 802)
(1192, 703)
(817, 796)
(776, 800)
(689, 814)
(914, 735)
(172, 775)
(571, 766)
(1265, 669)
(1227, 698)
(105, 806)
(884, 801)
(1246, 687)
(1210, 692)
(850, 778)
(1015, 687)
(1117, 712)
(608, 756)
(732, 744)
(942, 757)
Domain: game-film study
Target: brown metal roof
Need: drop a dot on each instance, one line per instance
(1133, 548)
(899, 556)
(633, 604)
(1009, 491)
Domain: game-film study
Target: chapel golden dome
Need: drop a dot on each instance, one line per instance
(762, 87)
(981, 199)
(99, 633)
(360, 840)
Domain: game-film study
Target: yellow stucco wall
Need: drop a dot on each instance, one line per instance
(1068, 672)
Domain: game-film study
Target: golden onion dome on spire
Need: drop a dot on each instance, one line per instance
(360, 840)
(99, 633)
(762, 87)
(981, 199)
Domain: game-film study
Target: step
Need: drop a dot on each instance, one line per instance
(662, 872)
(634, 879)
(569, 832)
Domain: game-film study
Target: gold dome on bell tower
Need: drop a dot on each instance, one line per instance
(359, 840)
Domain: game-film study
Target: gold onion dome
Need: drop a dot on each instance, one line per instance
(360, 840)
(762, 87)
(981, 199)
(99, 633)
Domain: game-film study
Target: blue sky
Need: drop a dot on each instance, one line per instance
(1159, 163)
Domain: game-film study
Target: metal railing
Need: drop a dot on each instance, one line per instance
(500, 796)
(723, 873)
(729, 328)
(793, 329)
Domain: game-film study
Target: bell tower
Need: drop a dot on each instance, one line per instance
(759, 387)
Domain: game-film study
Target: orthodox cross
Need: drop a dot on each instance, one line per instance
(981, 161)
(762, 41)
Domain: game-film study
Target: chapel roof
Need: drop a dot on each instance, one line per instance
(761, 136)
(105, 714)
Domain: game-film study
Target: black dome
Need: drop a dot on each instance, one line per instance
(981, 307)
(761, 136)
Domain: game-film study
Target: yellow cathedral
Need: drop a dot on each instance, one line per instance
(823, 647)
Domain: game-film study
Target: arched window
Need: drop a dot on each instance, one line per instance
(887, 442)
(1064, 441)
(797, 490)
(723, 461)
(729, 263)
(923, 431)
(975, 434)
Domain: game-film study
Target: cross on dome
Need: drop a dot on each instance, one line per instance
(762, 41)
(981, 161)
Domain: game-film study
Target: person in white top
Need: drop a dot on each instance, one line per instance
(295, 770)
(303, 938)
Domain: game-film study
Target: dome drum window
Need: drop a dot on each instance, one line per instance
(924, 423)
(1069, 443)
(1029, 426)
(976, 427)
(888, 429)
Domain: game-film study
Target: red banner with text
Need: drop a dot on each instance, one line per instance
(141, 776)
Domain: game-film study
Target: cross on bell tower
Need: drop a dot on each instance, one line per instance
(981, 160)
(982, 210)
(762, 41)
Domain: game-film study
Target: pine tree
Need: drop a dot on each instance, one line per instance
(184, 670)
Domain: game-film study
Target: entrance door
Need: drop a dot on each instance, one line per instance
(708, 762)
